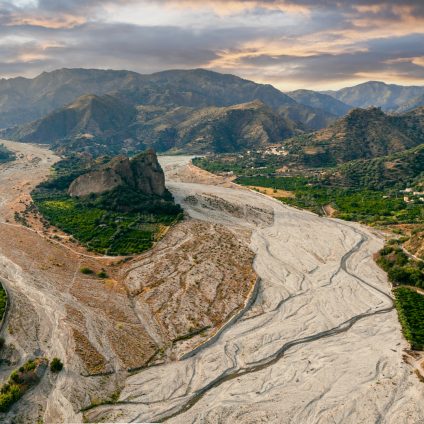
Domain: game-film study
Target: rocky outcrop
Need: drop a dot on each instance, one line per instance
(142, 173)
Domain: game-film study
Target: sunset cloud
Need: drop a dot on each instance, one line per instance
(289, 43)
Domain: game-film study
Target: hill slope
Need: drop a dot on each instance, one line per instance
(362, 134)
(230, 129)
(401, 169)
(321, 101)
(109, 124)
(23, 100)
(89, 116)
(202, 88)
(411, 104)
(307, 118)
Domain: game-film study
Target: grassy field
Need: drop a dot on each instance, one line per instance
(410, 307)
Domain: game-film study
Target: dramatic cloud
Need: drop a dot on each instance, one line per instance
(289, 43)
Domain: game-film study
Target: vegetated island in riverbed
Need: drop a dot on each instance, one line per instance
(113, 207)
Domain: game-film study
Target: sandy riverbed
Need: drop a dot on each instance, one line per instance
(320, 344)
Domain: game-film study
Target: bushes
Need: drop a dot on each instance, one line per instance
(56, 365)
(5, 154)
(400, 269)
(9, 394)
(19, 382)
(3, 301)
(87, 271)
(410, 307)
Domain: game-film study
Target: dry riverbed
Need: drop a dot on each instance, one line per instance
(320, 344)
(315, 339)
(151, 309)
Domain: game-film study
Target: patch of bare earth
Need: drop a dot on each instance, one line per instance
(194, 283)
(329, 211)
(276, 193)
(193, 174)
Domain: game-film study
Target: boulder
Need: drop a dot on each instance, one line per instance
(142, 173)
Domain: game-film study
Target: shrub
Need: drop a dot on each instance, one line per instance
(386, 250)
(56, 365)
(86, 270)
(102, 274)
(10, 393)
(6, 400)
(15, 377)
(29, 366)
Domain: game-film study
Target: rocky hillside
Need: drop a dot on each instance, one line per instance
(142, 173)
(307, 118)
(110, 125)
(201, 88)
(362, 134)
(188, 111)
(320, 101)
(89, 116)
(24, 100)
(375, 93)
(398, 170)
(226, 129)
(411, 104)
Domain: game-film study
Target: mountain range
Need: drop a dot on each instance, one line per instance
(196, 111)
(390, 97)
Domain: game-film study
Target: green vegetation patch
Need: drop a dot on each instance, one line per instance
(3, 301)
(56, 365)
(410, 307)
(20, 381)
(102, 230)
(367, 206)
(119, 222)
(400, 268)
(246, 164)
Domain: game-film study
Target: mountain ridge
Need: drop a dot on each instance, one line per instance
(376, 93)
(362, 134)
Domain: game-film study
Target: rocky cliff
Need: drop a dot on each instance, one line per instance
(142, 173)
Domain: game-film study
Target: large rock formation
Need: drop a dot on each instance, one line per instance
(142, 173)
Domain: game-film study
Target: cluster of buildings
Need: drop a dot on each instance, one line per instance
(410, 195)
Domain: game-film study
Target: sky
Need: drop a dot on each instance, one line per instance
(312, 44)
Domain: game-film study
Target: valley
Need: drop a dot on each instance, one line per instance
(308, 295)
